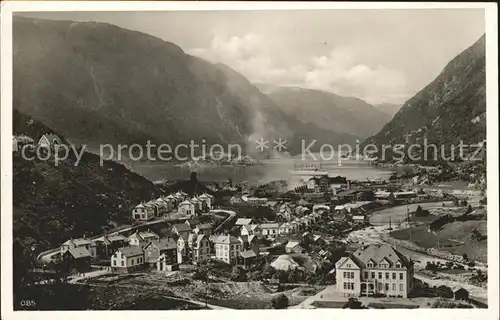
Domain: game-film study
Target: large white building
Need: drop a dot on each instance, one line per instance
(375, 270)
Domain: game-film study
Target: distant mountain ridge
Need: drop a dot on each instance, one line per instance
(449, 109)
(389, 108)
(97, 83)
(327, 110)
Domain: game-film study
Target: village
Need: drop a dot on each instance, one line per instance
(317, 245)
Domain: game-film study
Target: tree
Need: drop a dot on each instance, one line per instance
(280, 301)
(465, 257)
(464, 203)
(469, 209)
(353, 303)
(238, 274)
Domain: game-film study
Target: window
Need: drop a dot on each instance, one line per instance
(401, 276)
(380, 275)
(352, 275)
(386, 287)
(393, 287)
(348, 265)
(379, 286)
(346, 274)
(398, 265)
(348, 285)
(366, 275)
(122, 263)
(370, 265)
(373, 275)
(387, 275)
(114, 262)
(394, 276)
(401, 287)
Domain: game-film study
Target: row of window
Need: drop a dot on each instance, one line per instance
(381, 275)
(348, 275)
(382, 265)
(380, 287)
(226, 247)
(348, 285)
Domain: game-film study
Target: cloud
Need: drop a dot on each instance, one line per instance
(344, 70)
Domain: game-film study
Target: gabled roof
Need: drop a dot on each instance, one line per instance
(182, 227)
(270, 225)
(193, 221)
(204, 226)
(163, 244)
(148, 234)
(185, 203)
(243, 221)
(77, 242)
(131, 251)
(226, 239)
(140, 206)
(292, 244)
(79, 252)
(248, 254)
(137, 236)
(117, 237)
(377, 252)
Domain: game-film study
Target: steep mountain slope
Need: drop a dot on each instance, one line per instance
(389, 108)
(328, 110)
(97, 83)
(55, 202)
(449, 109)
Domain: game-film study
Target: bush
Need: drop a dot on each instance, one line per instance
(280, 301)
(353, 303)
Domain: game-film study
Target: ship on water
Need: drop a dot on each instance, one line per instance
(308, 170)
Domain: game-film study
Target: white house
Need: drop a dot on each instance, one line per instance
(186, 208)
(49, 140)
(128, 259)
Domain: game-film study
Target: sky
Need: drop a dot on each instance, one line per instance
(381, 56)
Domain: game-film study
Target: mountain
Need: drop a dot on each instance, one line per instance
(53, 203)
(449, 109)
(327, 110)
(97, 83)
(389, 108)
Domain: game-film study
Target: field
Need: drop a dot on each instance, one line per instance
(455, 238)
(146, 290)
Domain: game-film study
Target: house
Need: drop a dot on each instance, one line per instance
(285, 228)
(19, 142)
(460, 293)
(250, 230)
(79, 243)
(254, 200)
(204, 228)
(77, 258)
(198, 247)
(193, 222)
(243, 221)
(227, 249)
(294, 247)
(143, 212)
(359, 219)
(197, 203)
(149, 236)
(270, 229)
(182, 230)
(337, 182)
(49, 140)
(108, 244)
(378, 269)
(208, 199)
(249, 243)
(182, 249)
(164, 264)
(154, 249)
(161, 205)
(180, 195)
(285, 211)
(237, 199)
(247, 257)
(128, 259)
(186, 208)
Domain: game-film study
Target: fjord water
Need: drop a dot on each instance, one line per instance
(267, 170)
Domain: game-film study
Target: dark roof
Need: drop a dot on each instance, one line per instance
(131, 251)
(182, 227)
(194, 221)
(164, 244)
(379, 252)
(248, 254)
(353, 191)
(204, 226)
(337, 179)
(79, 252)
